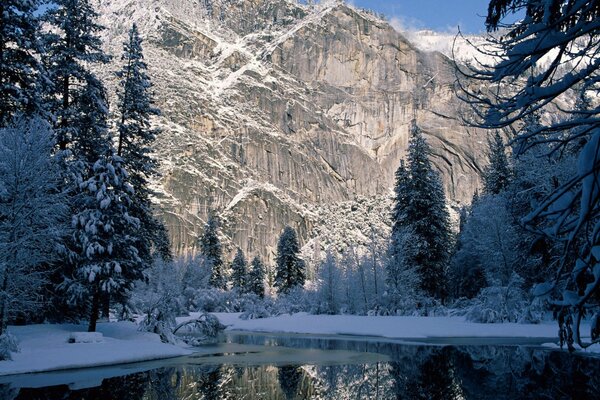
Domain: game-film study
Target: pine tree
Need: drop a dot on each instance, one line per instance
(256, 277)
(290, 268)
(496, 175)
(135, 139)
(71, 47)
(239, 278)
(33, 215)
(21, 74)
(109, 262)
(210, 247)
(421, 207)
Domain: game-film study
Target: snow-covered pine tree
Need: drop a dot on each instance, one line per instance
(239, 272)
(21, 74)
(496, 175)
(135, 138)
(210, 248)
(71, 46)
(33, 215)
(421, 207)
(256, 277)
(109, 263)
(290, 268)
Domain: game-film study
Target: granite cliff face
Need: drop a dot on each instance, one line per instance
(271, 108)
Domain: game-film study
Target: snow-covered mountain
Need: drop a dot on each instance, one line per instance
(273, 109)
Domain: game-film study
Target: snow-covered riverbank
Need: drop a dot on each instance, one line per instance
(46, 348)
(391, 326)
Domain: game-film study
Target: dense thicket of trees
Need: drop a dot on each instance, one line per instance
(80, 206)
(547, 56)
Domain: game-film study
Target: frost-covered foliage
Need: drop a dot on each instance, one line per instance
(491, 238)
(200, 330)
(33, 215)
(401, 278)
(500, 303)
(330, 290)
(549, 53)
(159, 299)
(290, 268)
(8, 345)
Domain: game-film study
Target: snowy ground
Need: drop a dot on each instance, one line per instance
(433, 328)
(46, 348)
(388, 327)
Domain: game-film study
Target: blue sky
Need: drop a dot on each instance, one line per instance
(438, 15)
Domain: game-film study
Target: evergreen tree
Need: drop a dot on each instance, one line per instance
(72, 46)
(239, 272)
(256, 277)
(21, 74)
(290, 268)
(496, 175)
(109, 262)
(421, 207)
(33, 216)
(135, 139)
(210, 247)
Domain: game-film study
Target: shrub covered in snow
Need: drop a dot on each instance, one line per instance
(8, 344)
(201, 330)
(499, 303)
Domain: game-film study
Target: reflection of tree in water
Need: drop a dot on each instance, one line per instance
(129, 387)
(163, 384)
(208, 382)
(289, 380)
(8, 393)
(436, 378)
(417, 372)
(562, 376)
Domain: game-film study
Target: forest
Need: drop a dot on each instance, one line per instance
(80, 239)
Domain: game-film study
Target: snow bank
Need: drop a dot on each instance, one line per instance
(390, 327)
(47, 347)
(85, 337)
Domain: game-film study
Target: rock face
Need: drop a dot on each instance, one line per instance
(272, 107)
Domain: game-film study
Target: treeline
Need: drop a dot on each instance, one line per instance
(76, 222)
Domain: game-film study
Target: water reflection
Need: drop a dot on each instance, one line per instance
(414, 372)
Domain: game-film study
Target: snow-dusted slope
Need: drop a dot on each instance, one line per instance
(271, 109)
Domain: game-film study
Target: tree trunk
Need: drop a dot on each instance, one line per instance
(106, 306)
(94, 311)
(3, 313)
